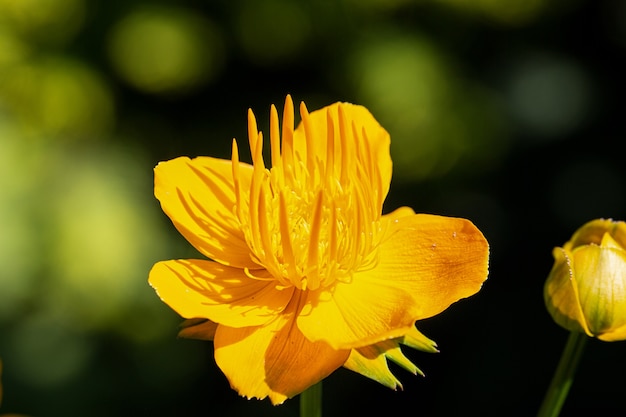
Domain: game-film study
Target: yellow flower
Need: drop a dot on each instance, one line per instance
(305, 274)
(586, 288)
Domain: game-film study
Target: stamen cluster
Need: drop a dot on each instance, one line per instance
(314, 216)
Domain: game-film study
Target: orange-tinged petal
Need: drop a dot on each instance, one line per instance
(222, 294)
(399, 213)
(362, 312)
(274, 360)
(438, 260)
(424, 264)
(198, 196)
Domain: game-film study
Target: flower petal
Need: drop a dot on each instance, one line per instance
(600, 273)
(438, 260)
(274, 360)
(594, 231)
(222, 294)
(614, 335)
(399, 213)
(561, 294)
(425, 263)
(357, 314)
(198, 196)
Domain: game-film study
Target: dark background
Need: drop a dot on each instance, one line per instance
(506, 113)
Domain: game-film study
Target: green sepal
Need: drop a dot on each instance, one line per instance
(416, 340)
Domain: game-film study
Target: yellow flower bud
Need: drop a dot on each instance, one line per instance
(586, 288)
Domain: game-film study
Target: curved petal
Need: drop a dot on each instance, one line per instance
(274, 360)
(425, 263)
(437, 259)
(198, 196)
(222, 294)
(600, 274)
(398, 213)
(371, 143)
(560, 294)
(614, 335)
(594, 231)
(357, 314)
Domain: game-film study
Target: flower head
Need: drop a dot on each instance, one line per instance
(305, 274)
(586, 288)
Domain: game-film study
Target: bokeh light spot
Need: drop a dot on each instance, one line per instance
(549, 97)
(437, 121)
(104, 238)
(12, 49)
(79, 233)
(165, 50)
(18, 237)
(48, 21)
(58, 96)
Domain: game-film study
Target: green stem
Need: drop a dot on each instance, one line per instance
(311, 401)
(563, 376)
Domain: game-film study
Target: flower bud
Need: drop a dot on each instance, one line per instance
(586, 288)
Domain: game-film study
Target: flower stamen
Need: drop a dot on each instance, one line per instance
(312, 271)
(287, 141)
(236, 181)
(288, 257)
(310, 150)
(311, 222)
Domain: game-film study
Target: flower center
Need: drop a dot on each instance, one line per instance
(314, 217)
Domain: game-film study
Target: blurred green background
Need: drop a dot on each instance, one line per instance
(509, 113)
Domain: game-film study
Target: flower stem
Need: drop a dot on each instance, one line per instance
(563, 376)
(311, 401)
